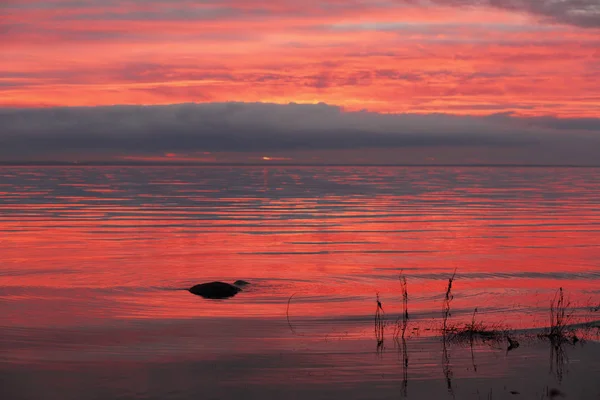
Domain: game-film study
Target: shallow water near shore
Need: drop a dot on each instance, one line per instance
(96, 260)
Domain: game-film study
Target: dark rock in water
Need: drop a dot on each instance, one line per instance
(241, 283)
(215, 290)
(512, 344)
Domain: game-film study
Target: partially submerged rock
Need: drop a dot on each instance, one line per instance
(241, 283)
(217, 290)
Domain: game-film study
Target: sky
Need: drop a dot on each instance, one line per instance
(394, 81)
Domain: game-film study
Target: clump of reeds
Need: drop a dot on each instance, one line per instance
(402, 321)
(558, 313)
(470, 331)
(476, 330)
(446, 307)
(560, 317)
(474, 327)
(379, 322)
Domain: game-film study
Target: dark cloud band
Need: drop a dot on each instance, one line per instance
(260, 127)
(583, 13)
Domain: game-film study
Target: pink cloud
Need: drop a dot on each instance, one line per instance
(390, 57)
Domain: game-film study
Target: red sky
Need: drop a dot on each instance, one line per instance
(532, 57)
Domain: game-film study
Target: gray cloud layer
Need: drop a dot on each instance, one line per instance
(29, 134)
(584, 13)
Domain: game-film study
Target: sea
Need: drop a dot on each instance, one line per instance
(95, 263)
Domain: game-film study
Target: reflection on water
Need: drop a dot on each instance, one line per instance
(95, 260)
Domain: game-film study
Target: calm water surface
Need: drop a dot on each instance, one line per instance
(95, 260)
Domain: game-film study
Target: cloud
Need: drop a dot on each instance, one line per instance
(583, 13)
(461, 56)
(29, 134)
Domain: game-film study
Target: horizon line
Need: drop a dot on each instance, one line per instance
(241, 164)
